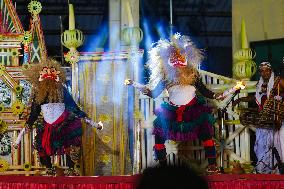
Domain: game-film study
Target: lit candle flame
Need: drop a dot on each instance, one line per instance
(127, 82)
(240, 85)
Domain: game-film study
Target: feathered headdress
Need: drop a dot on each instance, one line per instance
(167, 56)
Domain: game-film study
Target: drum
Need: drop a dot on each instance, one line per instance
(272, 110)
(253, 118)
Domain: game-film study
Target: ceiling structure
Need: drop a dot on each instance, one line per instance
(89, 15)
(209, 22)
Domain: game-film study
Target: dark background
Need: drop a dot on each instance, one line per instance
(208, 22)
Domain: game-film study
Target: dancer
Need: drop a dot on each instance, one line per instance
(61, 130)
(173, 65)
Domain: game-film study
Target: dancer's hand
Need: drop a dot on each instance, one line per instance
(136, 85)
(93, 124)
(219, 96)
(128, 82)
(100, 126)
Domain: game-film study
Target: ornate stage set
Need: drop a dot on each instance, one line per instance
(125, 146)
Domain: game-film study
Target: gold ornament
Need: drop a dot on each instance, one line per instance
(4, 165)
(18, 89)
(14, 52)
(72, 56)
(3, 126)
(138, 115)
(77, 166)
(106, 139)
(105, 158)
(2, 108)
(105, 118)
(104, 99)
(27, 167)
(27, 37)
(17, 107)
(34, 7)
(2, 69)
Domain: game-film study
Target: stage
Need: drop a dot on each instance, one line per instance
(225, 181)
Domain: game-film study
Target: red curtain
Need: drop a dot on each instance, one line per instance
(129, 182)
(247, 185)
(42, 182)
(65, 186)
(248, 181)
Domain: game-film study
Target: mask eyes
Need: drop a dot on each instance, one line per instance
(52, 70)
(45, 70)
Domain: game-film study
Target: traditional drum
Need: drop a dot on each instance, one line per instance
(272, 110)
(253, 118)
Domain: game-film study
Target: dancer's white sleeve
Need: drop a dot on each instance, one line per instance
(138, 85)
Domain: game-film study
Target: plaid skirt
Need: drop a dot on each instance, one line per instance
(56, 138)
(184, 123)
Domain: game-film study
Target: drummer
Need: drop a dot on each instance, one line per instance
(264, 137)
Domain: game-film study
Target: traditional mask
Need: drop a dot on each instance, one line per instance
(177, 59)
(49, 73)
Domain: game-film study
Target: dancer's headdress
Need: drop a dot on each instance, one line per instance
(167, 55)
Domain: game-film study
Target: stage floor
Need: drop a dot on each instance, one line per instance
(224, 181)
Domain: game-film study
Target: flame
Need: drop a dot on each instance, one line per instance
(127, 82)
(240, 85)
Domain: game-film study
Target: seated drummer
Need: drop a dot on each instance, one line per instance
(263, 137)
